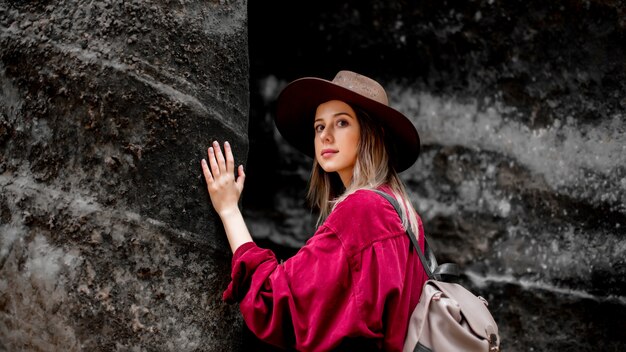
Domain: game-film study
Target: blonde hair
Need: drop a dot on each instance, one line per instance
(372, 170)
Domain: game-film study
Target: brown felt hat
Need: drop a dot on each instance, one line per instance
(298, 101)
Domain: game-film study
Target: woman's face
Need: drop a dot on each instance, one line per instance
(337, 134)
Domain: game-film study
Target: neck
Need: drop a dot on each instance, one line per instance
(346, 178)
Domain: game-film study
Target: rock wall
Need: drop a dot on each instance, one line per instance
(107, 238)
(522, 180)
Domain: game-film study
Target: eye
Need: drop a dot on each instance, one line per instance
(318, 128)
(342, 123)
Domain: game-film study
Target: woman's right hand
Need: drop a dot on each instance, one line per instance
(219, 174)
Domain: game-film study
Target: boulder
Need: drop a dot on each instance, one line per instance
(107, 237)
(522, 178)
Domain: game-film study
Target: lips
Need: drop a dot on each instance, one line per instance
(326, 153)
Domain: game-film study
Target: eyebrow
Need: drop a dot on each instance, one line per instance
(335, 115)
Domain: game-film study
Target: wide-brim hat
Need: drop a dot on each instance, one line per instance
(299, 100)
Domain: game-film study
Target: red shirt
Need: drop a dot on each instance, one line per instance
(355, 282)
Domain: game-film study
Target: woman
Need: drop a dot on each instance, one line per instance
(356, 281)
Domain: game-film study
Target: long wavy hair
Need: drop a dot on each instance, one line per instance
(373, 169)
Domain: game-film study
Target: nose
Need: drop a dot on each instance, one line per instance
(326, 135)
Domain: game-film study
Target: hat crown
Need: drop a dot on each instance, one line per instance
(362, 85)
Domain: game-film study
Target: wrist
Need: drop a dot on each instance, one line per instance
(228, 212)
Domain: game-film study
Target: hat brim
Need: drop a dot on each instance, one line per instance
(298, 101)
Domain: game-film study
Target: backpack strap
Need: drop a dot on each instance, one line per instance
(432, 269)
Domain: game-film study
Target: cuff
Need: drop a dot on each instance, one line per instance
(246, 260)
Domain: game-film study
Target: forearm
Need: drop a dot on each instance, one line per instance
(235, 227)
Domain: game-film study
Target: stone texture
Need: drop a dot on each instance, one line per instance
(522, 180)
(107, 237)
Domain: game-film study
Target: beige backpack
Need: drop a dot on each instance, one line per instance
(448, 317)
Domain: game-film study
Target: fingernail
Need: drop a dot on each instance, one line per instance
(227, 144)
(210, 149)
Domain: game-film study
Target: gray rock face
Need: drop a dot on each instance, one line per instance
(522, 179)
(107, 237)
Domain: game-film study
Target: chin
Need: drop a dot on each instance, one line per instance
(329, 166)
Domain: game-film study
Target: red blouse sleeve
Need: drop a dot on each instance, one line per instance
(295, 304)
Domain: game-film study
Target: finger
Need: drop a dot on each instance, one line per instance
(215, 169)
(221, 162)
(230, 159)
(205, 170)
(241, 177)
